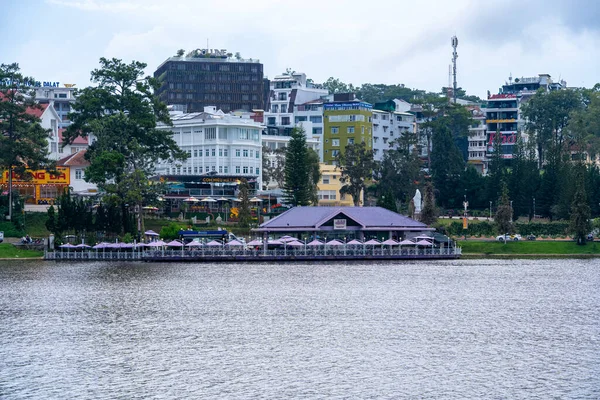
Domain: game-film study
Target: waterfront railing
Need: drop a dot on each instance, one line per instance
(248, 254)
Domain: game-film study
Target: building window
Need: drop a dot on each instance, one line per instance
(257, 154)
(78, 174)
(285, 120)
(335, 142)
(271, 121)
(226, 169)
(274, 109)
(317, 131)
(325, 179)
(213, 168)
(237, 152)
(245, 153)
(237, 169)
(225, 152)
(214, 152)
(300, 119)
(362, 129)
(220, 152)
(195, 170)
(316, 119)
(60, 149)
(335, 153)
(206, 152)
(351, 141)
(335, 129)
(283, 108)
(210, 133)
(257, 171)
(195, 152)
(220, 169)
(350, 129)
(251, 153)
(245, 170)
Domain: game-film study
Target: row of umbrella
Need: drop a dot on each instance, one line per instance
(193, 199)
(290, 241)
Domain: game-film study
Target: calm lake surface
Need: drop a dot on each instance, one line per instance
(455, 329)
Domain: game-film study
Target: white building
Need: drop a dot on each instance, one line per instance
(60, 98)
(389, 126)
(77, 165)
(217, 144)
(478, 141)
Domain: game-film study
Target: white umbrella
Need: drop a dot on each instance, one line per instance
(150, 233)
(276, 241)
(423, 237)
(255, 200)
(424, 243)
(208, 200)
(191, 199)
(287, 238)
(222, 199)
(235, 199)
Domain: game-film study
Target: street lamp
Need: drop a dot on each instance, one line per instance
(490, 209)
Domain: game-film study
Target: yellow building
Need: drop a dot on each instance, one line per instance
(329, 187)
(347, 121)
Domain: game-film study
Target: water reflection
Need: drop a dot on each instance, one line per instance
(454, 329)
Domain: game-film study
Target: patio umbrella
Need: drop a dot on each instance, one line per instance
(255, 242)
(334, 242)
(125, 245)
(315, 243)
(390, 242)
(287, 239)
(208, 200)
(193, 243)
(295, 243)
(372, 242)
(101, 245)
(255, 200)
(407, 242)
(149, 208)
(222, 199)
(175, 243)
(235, 199)
(150, 233)
(423, 237)
(276, 241)
(355, 242)
(234, 243)
(67, 246)
(424, 243)
(83, 246)
(213, 243)
(158, 243)
(191, 199)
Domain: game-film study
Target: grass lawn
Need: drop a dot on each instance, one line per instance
(9, 251)
(528, 247)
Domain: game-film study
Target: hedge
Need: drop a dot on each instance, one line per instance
(485, 228)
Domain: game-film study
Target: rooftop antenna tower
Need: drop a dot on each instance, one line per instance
(454, 57)
(449, 88)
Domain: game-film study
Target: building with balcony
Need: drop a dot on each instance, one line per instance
(206, 77)
(478, 141)
(221, 148)
(388, 126)
(61, 99)
(346, 121)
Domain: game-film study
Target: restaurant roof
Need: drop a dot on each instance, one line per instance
(364, 218)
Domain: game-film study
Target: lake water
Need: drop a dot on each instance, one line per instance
(443, 329)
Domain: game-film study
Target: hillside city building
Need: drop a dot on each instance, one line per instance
(206, 77)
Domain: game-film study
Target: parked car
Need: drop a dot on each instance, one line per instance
(506, 237)
(531, 237)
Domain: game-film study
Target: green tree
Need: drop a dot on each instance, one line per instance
(503, 217)
(245, 218)
(580, 209)
(547, 114)
(447, 166)
(497, 168)
(23, 141)
(122, 113)
(387, 200)
(314, 175)
(297, 185)
(334, 85)
(356, 164)
(51, 221)
(180, 52)
(429, 213)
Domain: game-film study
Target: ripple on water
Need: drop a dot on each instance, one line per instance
(455, 329)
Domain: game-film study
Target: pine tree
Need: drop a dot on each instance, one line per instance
(357, 164)
(429, 213)
(297, 186)
(244, 217)
(503, 216)
(580, 210)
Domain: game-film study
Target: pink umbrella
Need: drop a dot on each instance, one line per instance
(255, 242)
(158, 243)
(334, 242)
(287, 239)
(175, 243)
(193, 243)
(83, 246)
(390, 242)
(354, 242)
(234, 243)
(424, 243)
(295, 243)
(150, 233)
(315, 243)
(372, 242)
(101, 245)
(213, 243)
(276, 241)
(67, 246)
(407, 242)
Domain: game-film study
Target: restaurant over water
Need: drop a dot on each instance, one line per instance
(342, 223)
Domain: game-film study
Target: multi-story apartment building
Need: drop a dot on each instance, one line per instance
(218, 145)
(346, 121)
(478, 141)
(389, 126)
(61, 99)
(207, 77)
(311, 113)
(503, 111)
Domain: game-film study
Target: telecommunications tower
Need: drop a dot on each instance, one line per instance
(454, 57)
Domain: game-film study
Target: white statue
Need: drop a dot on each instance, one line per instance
(418, 202)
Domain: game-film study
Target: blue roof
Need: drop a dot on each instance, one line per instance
(369, 218)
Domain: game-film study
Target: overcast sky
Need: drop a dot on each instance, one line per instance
(386, 41)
